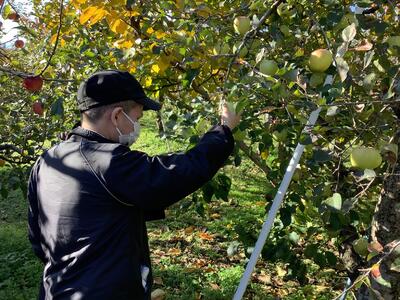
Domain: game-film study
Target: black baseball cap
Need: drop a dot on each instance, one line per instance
(111, 86)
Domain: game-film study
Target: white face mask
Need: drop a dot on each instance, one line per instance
(130, 138)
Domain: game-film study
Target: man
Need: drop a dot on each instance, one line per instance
(89, 196)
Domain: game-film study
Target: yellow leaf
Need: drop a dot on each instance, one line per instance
(148, 81)
(160, 34)
(134, 12)
(100, 13)
(132, 69)
(150, 30)
(116, 24)
(92, 14)
(87, 14)
(155, 68)
(264, 154)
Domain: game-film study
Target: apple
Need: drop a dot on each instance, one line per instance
(285, 10)
(317, 79)
(241, 24)
(13, 16)
(19, 43)
(365, 158)
(268, 67)
(33, 83)
(320, 60)
(243, 52)
(2, 162)
(38, 108)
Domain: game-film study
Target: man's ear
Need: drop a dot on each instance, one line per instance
(115, 114)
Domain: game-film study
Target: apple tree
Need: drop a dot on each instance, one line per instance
(276, 62)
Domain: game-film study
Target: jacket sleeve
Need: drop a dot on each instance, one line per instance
(154, 183)
(33, 215)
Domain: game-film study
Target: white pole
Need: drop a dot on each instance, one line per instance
(274, 210)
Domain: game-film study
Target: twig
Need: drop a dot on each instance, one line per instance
(57, 38)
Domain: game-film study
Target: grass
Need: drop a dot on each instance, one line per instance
(189, 252)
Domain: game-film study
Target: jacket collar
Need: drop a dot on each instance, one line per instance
(79, 133)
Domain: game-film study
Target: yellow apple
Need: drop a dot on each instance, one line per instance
(268, 67)
(243, 52)
(241, 24)
(365, 158)
(320, 60)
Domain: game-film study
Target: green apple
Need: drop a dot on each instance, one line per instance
(317, 79)
(320, 60)
(365, 158)
(243, 52)
(268, 67)
(241, 24)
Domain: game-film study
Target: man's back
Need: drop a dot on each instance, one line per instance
(89, 200)
(96, 245)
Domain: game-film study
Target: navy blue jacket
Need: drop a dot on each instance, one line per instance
(89, 198)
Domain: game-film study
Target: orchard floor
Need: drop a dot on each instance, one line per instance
(189, 252)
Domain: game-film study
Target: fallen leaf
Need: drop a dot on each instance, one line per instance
(158, 294)
(264, 278)
(205, 236)
(158, 280)
(189, 229)
(174, 251)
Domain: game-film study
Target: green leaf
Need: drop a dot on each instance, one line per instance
(334, 202)
(57, 108)
(342, 67)
(294, 237)
(321, 156)
(6, 11)
(189, 76)
(349, 33)
(27, 30)
(395, 265)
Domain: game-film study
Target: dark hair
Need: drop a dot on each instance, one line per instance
(94, 114)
